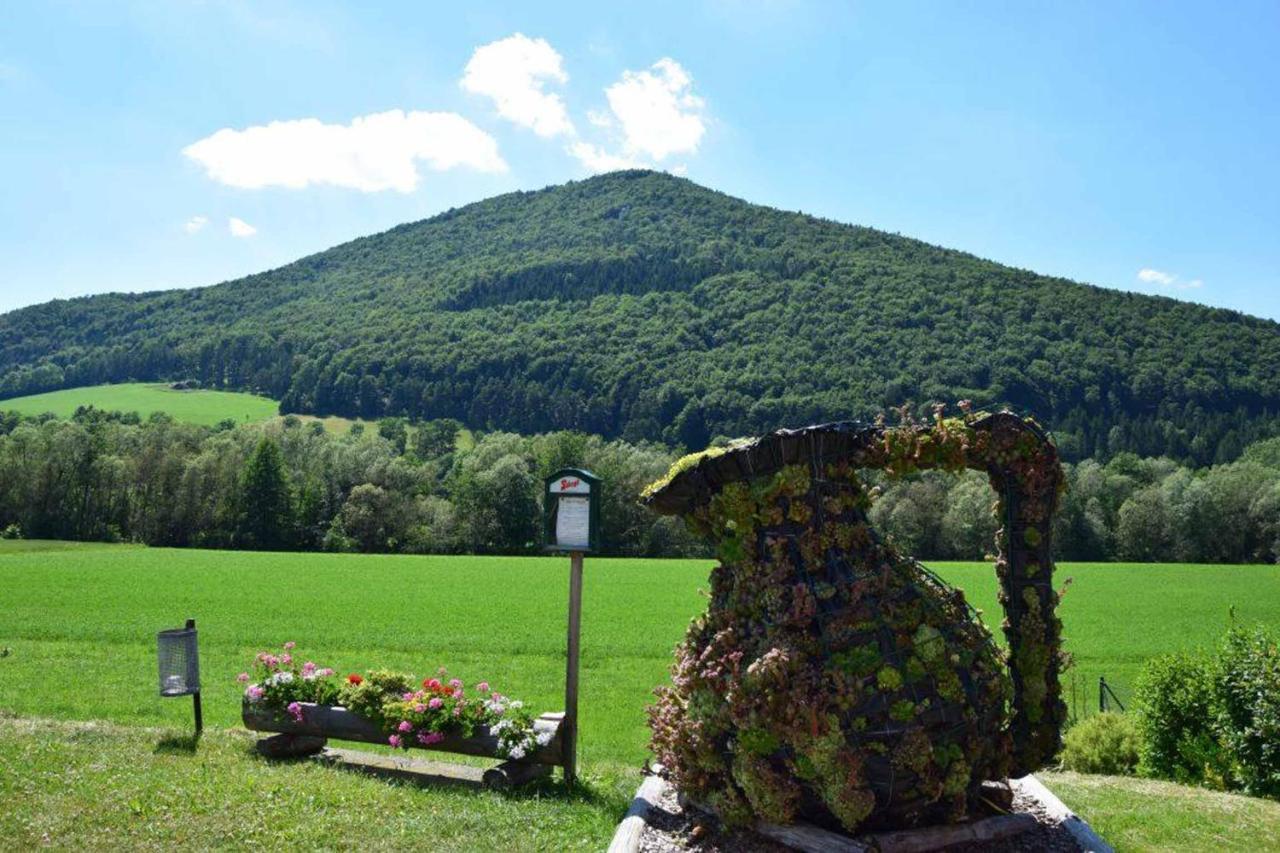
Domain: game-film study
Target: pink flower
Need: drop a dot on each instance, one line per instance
(419, 708)
(455, 683)
(483, 687)
(429, 738)
(408, 697)
(286, 659)
(242, 677)
(432, 684)
(295, 711)
(309, 668)
(405, 726)
(289, 645)
(271, 661)
(326, 672)
(457, 710)
(254, 693)
(394, 740)
(435, 702)
(441, 671)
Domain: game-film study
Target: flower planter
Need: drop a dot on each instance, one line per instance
(334, 721)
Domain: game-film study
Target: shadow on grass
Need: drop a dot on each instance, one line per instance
(428, 774)
(176, 744)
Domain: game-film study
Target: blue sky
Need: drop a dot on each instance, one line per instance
(1128, 145)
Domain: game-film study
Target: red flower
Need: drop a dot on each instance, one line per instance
(355, 678)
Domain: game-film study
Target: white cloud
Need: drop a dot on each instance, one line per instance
(597, 159)
(657, 110)
(653, 114)
(373, 153)
(239, 228)
(1168, 281)
(513, 73)
(195, 224)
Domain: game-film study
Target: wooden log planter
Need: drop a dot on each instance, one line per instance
(322, 722)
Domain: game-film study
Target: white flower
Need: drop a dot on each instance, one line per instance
(516, 752)
(544, 738)
(280, 678)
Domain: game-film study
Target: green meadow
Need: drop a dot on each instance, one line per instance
(197, 407)
(79, 620)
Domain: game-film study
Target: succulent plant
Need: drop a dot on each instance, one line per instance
(834, 678)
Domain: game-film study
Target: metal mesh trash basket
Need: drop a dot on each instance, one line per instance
(179, 659)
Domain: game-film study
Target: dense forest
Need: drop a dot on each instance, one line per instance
(641, 306)
(406, 488)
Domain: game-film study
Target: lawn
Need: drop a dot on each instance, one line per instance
(198, 407)
(80, 623)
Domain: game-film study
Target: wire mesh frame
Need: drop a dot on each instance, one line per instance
(178, 659)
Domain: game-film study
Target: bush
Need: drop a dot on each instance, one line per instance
(1215, 720)
(1247, 708)
(13, 531)
(1175, 716)
(1104, 743)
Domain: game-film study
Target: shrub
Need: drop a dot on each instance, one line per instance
(1175, 714)
(13, 531)
(1247, 708)
(1215, 720)
(1104, 743)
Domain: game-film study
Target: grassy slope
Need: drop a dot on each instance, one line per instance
(199, 407)
(78, 615)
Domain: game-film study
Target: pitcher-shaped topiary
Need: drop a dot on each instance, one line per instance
(835, 679)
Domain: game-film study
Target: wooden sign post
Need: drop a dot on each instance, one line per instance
(571, 521)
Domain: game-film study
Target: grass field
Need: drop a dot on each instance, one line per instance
(80, 621)
(197, 407)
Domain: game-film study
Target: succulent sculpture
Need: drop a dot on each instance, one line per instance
(834, 679)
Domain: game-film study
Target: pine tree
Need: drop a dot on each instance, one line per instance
(267, 517)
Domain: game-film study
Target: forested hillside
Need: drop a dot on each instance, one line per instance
(643, 306)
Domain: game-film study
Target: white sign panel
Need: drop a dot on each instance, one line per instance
(570, 486)
(573, 522)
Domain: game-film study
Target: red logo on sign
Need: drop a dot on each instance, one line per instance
(568, 484)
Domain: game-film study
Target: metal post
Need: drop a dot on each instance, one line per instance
(195, 697)
(571, 669)
(1102, 693)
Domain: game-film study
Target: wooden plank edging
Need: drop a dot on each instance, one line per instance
(626, 839)
(1083, 834)
(808, 838)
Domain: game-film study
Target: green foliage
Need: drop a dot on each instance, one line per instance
(1174, 696)
(1247, 704)
(642, 306)
(107, 477)
(1215, 719)
(267, 501)
(1102, 743)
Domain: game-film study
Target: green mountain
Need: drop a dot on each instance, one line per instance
(643, 305)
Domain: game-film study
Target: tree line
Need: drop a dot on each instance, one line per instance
(409, 487)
